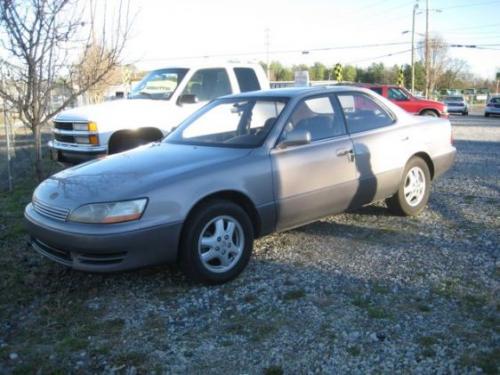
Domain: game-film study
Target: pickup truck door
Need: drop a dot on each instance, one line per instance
(316, 179)
(205, 85)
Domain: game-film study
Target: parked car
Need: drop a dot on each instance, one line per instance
(240, 168)
(492, 106)
(410, 103)
(457, 104)
(156, 104)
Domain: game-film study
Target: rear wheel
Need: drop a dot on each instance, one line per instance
(465, 113)
(429, 112)
(217, 243)
(486, 115)
(414, 189)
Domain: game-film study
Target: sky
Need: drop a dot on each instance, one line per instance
(168, 32)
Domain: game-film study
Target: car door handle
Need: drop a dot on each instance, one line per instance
(346, 151)
(343, 151)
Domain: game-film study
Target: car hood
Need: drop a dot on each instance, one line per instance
(131, 174)
(137, 111)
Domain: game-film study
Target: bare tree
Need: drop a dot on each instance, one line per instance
(40, 40)
(439, 61)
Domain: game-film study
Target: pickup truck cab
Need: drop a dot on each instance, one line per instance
(157, 104)
(404, 99)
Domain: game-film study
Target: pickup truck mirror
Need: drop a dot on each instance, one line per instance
(187, 99)
(296, 137)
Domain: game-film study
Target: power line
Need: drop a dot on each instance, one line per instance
(471, 5)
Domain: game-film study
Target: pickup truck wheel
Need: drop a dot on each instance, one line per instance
(124, 143)
(429, 112)
(217, 243)
(414, 189)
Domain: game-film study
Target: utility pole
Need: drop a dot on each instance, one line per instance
(268, 42)
(415, 7)
(427, 72)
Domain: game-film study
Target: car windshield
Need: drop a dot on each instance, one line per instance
(230, 123)
(495, 100)
(158, 84)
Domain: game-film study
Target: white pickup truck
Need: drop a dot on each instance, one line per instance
(155, 105)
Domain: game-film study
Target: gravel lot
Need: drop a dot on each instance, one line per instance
(361, 292)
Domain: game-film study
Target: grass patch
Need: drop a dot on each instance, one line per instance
(355, 351)
(375, 312)
(273, 370)
(489, 362)
(294, 295)
(427, 341)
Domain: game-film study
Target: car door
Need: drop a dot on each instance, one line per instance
(316, 179)
(380, 146)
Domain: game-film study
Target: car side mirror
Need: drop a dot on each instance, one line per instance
(187, 99)
(296, 137)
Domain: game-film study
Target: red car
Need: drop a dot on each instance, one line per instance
(410, 103)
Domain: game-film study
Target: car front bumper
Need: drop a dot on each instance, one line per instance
(457, 109)
(492, 110)
(107, 251)
(75, 154)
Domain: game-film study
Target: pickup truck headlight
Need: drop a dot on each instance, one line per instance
(89, 126)
(108, 213)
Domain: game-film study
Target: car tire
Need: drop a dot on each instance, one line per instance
(465, 113)
(486, 115)
(429, 112)
(414, 189)
(209, 253)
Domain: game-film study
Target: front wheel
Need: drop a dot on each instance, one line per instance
(430, 113)
(217, 243)
(414, 189)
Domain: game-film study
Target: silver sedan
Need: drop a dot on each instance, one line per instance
(240, 168)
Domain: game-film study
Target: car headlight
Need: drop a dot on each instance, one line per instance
(108, 213)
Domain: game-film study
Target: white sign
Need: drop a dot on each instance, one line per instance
(301, 78)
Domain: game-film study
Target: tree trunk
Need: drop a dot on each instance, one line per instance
(38, 152)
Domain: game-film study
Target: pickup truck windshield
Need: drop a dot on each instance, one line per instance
(234, 123)
(158, 84)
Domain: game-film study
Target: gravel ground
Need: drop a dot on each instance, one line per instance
(360, 292)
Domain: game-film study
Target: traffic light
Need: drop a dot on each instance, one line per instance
(338, 72)
(401, 77)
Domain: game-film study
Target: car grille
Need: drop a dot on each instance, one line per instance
(52, 212)
(63, 125)
(66, 257)
(497, 106)
(64, 138)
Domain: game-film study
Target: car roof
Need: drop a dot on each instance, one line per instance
(294, 92)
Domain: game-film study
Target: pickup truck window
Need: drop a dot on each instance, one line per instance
(208, 84)
(397, 94)
(158, 84)
(362, 113)
(247, 79)
(235, 123)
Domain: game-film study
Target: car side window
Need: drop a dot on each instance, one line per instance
(247, 79)
(378, 90)
(317, 116)
(362, 113)
(208, 84)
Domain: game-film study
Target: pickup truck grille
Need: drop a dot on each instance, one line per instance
(50, 211)
(64, 138)
(63, 125)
